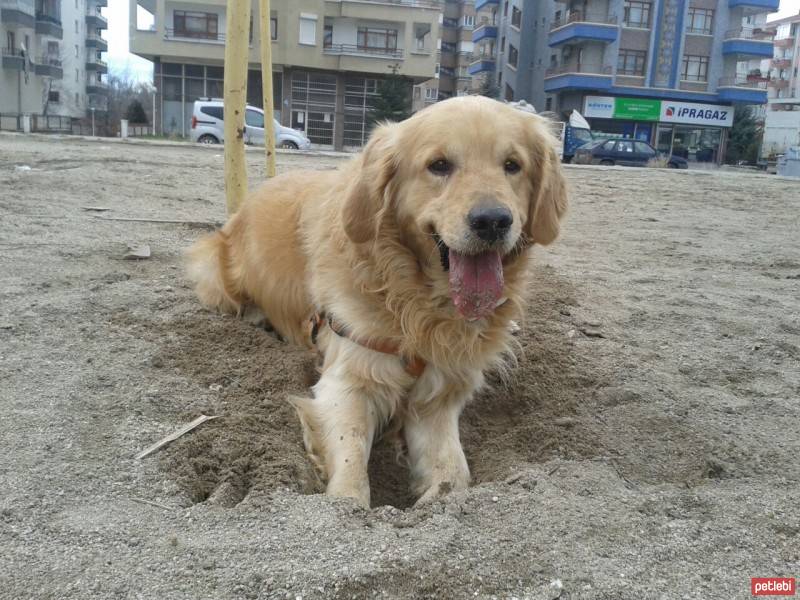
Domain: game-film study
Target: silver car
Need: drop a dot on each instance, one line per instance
(208, 128)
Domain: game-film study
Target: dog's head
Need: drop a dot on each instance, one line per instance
(468, 181)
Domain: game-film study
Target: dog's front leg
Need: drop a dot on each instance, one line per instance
(339, 426)
(437, 460)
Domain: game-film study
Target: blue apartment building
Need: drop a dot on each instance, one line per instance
(665, 71)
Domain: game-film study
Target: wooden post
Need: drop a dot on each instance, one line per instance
(265, 31)
(237, 45)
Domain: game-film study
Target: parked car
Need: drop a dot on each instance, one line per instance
(208, 128)
(624, 152)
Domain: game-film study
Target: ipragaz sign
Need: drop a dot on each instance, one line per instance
(665, 111)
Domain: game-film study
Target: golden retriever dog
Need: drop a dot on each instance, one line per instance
(411, 262)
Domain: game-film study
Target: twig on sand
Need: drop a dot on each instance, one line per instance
(173, 436)
(151, 503)
(171, 221)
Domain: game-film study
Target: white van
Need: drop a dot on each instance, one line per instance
(208, 128)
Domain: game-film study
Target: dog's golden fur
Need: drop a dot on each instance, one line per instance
(358, 243)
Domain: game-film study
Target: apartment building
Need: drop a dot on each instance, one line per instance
(52, 57)
(783, 81)
(454, 55)
(664, 71)
(328, 57)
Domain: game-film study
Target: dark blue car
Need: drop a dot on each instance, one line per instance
(624, 152)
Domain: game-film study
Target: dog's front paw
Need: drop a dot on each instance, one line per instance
(358, 491)
(442, 488)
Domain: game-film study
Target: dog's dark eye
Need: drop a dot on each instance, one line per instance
(511, 167)
(440, 167)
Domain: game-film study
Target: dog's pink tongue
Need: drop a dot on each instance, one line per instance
(476, 283)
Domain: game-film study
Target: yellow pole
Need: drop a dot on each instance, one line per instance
(265, 31)
(237, 46)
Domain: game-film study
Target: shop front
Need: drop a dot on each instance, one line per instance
(697, 132)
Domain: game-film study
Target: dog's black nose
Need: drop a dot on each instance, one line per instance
(490, 223)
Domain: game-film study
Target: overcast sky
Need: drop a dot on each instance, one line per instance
(121, 61)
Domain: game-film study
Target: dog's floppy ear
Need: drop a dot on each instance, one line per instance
(548, 202)
(368, 193)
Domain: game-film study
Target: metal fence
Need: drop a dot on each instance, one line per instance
(55, 124)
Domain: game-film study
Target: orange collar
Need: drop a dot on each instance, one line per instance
(414, 366)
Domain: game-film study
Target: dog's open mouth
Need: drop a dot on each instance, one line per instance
(476, 280)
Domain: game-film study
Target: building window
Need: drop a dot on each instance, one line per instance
(370, 38)
(700, 20)
(52, 48)
(503, 44)
(468, 21)
(327, 35)
(436, 70)
(308, 30)
(516, 17)
(513, 55)
(273, 28)
(195, 24)
(631, 62)
(505, 8)
(431, 93)
(52, 96)
(77, 51)
(637, 14)
(509, 94)
(548, 103)
(695, 68)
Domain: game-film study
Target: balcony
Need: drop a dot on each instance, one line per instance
(97, 42)
(13, 58)
(739, 89)
(49, 66)
(18, 12)
(747, 43)
(483, 65)
(778, 83)
(183, 35)
(97, 87)
(102, 3)
(758, 6)
(578, 77)
(580, 26)
(356, 50)
(484, 32)
(787, 42)
(479, 4)
(95, 64)
(95, 19)
(47, 24)
(781, 63)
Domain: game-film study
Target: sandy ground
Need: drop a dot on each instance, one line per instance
(646, 447)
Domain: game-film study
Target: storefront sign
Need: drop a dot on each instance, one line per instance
(637, 109)
(696, 114)
(666, 111)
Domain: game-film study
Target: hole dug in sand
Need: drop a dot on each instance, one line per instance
(257, 447)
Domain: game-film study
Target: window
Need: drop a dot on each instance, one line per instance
(548, 103)
(631, 62)
(77, 98)
(308, 29)
(254, 118)
(637, 14)
(52, 96)
(516, 17)
(695, 68)
(52, 48)
(436, 69)
(273, 27)
(468, 21)
(327, 35)
(371, 38)
(609, 146)
(626, 147)
(195, 24)
(212, 111)
(503, 44)
(700, 21)
(513, 55)
(77, 30)
(77, 51)
(431, 93)
(645, 149)
(505, 8)
(509, 93)
(77, 76)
